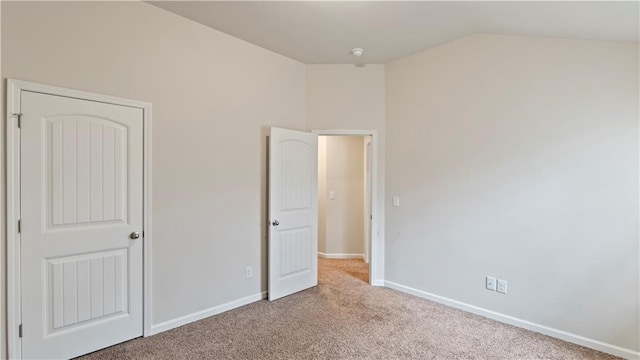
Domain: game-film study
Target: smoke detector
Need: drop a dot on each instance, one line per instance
(357, 52)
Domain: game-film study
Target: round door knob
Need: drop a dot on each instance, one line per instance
(134, 235)
(275, 223)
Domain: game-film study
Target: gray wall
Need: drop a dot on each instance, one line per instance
(517, 157)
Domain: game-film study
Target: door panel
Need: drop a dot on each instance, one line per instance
(79, 284)
(86, 171)
(293, 210)
(295, 245)
(81, 198)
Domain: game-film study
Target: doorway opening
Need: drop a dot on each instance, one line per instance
(345, 211)
(293, 211)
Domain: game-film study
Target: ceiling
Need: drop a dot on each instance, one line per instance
(324, 32)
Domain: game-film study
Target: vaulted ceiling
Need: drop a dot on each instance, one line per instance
(324, 32)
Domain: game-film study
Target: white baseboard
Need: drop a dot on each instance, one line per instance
(340, 256)
(563, 335)
(183, 320)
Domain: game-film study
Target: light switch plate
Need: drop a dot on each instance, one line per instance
(396, 201)
(502, 286)
(332, 195)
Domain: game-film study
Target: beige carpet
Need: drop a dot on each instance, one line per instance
(345, 318)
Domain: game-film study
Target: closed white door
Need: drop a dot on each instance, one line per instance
(81, 228)
(293, 212)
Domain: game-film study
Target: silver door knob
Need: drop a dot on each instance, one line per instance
(134, 235)
(275, 223)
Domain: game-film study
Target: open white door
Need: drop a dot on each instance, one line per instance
(81, 225)
(293, 212)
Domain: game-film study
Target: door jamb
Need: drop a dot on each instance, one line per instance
(376, 247)
(14, 90)
(368, 218)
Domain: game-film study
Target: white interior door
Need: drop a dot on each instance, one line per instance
(293, 212)
(81, 207)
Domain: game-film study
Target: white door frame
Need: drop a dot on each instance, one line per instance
(14, 301)
(376, 246)
(368, 195)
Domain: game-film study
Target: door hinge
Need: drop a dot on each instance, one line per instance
(19, 226)
(20, 330)
(19, 115)
(370, 217)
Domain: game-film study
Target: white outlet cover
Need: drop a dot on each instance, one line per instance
(491, 283)
(502, 286)
(332, 195)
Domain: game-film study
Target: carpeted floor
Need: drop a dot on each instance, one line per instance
(345, 318)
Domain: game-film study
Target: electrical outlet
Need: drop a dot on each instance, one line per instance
(248, 272)
(502, 286)
(491, 283)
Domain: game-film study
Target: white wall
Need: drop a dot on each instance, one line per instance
(213, 96)
(352, 97)
(322, 194)
(517, 157)
(342, 217)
